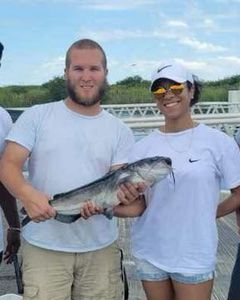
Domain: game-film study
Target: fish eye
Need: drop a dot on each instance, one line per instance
(168, 161)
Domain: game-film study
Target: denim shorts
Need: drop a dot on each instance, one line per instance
(147, 271)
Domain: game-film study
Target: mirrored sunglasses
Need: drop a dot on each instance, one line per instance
(176, 89)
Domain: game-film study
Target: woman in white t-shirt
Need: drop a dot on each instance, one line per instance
(175, 239)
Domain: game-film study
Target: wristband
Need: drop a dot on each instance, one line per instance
(14, 229)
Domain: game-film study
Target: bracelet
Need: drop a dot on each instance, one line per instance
(14, 229)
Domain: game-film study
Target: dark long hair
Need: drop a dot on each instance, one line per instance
(1, 50)
(197, 89)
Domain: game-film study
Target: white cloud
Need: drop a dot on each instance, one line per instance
(50, 69)
(116, 5)
(235, 60)
(98, 4)
(209, 24)
(192, 65)
(116, 34)
(202, 46)
(120, 34)
(176, 23)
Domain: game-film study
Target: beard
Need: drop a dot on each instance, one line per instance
(86, 101)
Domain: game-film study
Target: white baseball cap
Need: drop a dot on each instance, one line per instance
(173, 71)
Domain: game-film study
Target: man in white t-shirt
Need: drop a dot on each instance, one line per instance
(69, 143)
(7, 201)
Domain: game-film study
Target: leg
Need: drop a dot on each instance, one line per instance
(158, 290)
(98, 275)
(197, 291)
(47, 275)
(234, 290)
(156, 282)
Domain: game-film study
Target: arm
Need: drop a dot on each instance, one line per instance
(135, 209)
(35, 202)
(9, 207)
(230, 204)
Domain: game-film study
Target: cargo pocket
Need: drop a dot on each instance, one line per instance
(30, 293)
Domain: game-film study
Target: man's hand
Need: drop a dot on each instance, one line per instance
(13, 244)
(90, 209)
(37, 206)
(129, 192)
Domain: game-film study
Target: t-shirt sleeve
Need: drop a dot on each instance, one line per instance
(237, 137)
(24, 129)
(124, 145)
(5, 126)
(229, 163)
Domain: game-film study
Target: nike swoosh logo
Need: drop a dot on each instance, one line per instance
(193, 160)
(160, 69)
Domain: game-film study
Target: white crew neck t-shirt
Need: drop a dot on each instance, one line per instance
(177, 232)
(69, 150)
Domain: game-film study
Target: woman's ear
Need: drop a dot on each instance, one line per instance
(192, 91)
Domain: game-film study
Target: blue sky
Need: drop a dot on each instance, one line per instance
(137, 36)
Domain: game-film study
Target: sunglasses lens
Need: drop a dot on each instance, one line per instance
(176, 89)
(160, 91)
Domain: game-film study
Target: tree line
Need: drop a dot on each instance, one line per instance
(132, 89)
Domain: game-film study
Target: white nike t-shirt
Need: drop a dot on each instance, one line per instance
(177, 232)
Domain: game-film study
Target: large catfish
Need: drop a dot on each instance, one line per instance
(103, 191)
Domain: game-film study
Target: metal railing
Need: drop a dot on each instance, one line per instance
(150, 110)
(145, 117)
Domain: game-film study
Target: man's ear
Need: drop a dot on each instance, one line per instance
(106, 72)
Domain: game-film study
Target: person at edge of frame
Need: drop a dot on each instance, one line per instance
(234, 289)
(70, 143)
(174, 242)
(7, 201)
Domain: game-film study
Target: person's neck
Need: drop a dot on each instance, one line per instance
(178, 125)
(92, 110)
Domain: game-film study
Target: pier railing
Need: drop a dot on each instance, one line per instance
(139, 110)
(146, 116)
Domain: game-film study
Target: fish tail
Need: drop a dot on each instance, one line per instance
(67, 218)
(108, 213)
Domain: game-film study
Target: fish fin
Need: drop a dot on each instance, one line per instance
(108, 213)
(58, 196)
(124, 178)
(67, 218)
(26, 220)
(59, 217)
